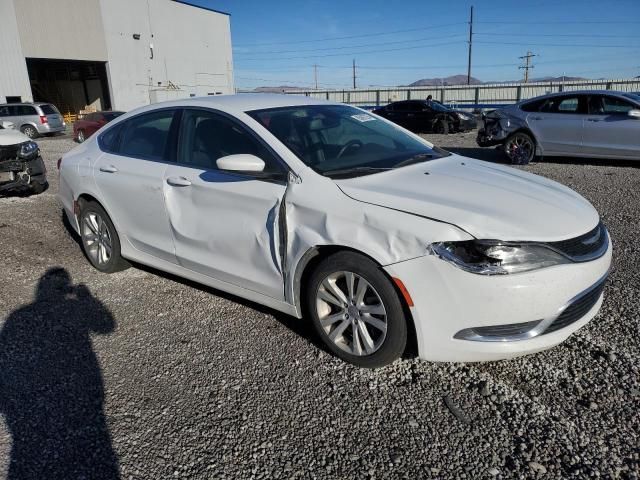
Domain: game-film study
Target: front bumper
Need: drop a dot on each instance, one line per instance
(448, 300)
(16, 174)
(485, 139)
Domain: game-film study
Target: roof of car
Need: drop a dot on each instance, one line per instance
(573, 92)
(243, 102)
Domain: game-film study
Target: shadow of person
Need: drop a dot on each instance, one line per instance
(51, 390)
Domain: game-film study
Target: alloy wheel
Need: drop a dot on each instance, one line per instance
(97, 238)
(520, 149)
(351, 313)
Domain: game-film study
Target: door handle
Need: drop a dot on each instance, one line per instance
(593, 120)
(108, 169)
(536, 118)
(178, 181)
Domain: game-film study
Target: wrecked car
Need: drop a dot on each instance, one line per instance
(427, 116)
(21, 166)
(593, 123)
(323, 211)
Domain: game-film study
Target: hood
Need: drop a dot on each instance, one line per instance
(12, 137)
(488, 201)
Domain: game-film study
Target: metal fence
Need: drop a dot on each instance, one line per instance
(469, 96)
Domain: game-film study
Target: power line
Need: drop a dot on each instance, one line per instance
(563, 22)
(374, 34)
(441, 37)
(591, 45)
(357, 53)
(588, 35)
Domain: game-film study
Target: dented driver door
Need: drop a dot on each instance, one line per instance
(225, 225)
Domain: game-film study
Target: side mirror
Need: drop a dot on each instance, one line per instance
(241, 162)
(634, 113)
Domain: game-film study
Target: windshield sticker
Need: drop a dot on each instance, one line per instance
(362, 117)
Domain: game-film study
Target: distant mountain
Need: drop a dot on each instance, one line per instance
(279, 89)
(451, 80)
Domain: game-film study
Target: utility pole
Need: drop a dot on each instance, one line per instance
(354, 73)
(315, 75)
(470, 45)
(527, 65)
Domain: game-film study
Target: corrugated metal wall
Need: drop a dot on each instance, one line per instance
(14, 80)
(191, 46)
(496, 94)
(187, 46)
(61, 29)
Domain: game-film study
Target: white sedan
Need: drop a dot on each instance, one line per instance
(327, 212)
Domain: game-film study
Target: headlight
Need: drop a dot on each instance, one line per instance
(28, 149)
(463, 116)
(494, 258)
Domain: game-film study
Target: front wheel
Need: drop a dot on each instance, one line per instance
(441, 126)
(520, 148)
(100, 240)
(356, 311)
(29, 130)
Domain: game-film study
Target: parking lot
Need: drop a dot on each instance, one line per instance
(152, 376)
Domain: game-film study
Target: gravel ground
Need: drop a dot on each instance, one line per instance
(141, 375)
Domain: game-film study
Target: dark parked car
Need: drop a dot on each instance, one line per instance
(427, 116)
(91, 123)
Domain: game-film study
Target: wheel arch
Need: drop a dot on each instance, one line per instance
(528, 131)
(310, 260)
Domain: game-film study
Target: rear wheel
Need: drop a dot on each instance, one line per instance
(520, 148)
(356, 311)
(29, 130)
(100, 240)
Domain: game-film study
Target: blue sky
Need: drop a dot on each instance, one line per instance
(395, 43)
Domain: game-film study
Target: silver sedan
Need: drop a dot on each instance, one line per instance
(595, 124)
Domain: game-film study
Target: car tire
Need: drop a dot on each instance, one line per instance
(80, 136)
(441, 127)
(367, 327)
(100, 240)
(520, 148)
(29, 130)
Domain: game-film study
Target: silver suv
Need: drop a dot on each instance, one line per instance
(33, 119)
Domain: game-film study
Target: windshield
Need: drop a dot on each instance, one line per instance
(438, 107)
(338, 140)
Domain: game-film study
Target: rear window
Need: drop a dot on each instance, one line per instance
(49, 109)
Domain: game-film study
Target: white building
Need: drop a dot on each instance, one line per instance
(112, 54)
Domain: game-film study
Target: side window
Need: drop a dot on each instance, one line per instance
(26, 110)
(14, 110)
(402, 107)
(4, 111)
(612, 106)
(147, 136)
(206, 136)
(109, 141)
(568, 105)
